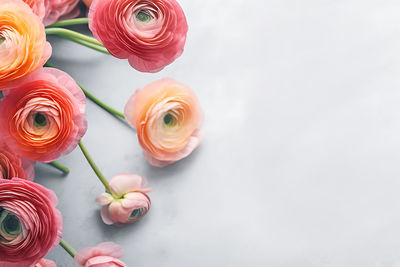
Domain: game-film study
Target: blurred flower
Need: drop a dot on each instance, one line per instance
(43, 115)
(150, 34)
(60, 9)
(105, 254)
(13, 166)
(51, 11)
(127, 202)
(45, 263)
(167, 116)
(30, 224)
(23, 46)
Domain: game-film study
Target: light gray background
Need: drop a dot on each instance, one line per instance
(300, 162)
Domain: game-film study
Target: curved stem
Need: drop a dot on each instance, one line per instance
(101, 103)
(59, 166)
(94, 166)
(69, 22)
(67, 248)
(65, 33)
(92, 97)
(77, 38)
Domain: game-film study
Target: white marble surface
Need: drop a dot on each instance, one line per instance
(300, 163)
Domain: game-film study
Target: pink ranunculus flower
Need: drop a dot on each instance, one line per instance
(127, 202)
(105, 254)
(30, 224)
(51, 11)
(43, 115)
(13, 166)
(151, 34)
(60, 9)
(167, 117)
(45, 263)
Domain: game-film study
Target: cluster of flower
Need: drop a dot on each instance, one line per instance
(43, 116)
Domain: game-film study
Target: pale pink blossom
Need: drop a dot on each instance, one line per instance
(105, 254)
(127, 202)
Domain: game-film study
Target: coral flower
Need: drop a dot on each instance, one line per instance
(23, 46)
(45, 263)
(30, 224)
(105, 254)
(149, 33)
(13, 166)
(43, 115)
(127, 202)
(167, 116)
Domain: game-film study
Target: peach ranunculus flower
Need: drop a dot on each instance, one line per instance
(43, 115)
(105, 254)
(23, 46)
(51, 11)
(127, 202)
(45, 263)
(167, 116)
(13, 166)
(30, 224)
(150, 34)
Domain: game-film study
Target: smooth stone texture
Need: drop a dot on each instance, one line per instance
(300, 162)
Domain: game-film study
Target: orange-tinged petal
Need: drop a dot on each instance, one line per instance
(23, 46)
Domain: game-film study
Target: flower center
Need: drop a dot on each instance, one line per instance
(143, 16)
(40, 120)
(2, 39)
(135, 213)
(9, 223)
(169, 119)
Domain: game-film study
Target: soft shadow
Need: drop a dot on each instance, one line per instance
(170, 171)
(46, 171)
(113, 231)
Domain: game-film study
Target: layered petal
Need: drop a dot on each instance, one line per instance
(127, 202)
(37, 7)
(105, 254)
(167, 117)
(12, 165)
(43, 115)
(30, 224)
(151, 34)
(23, 46)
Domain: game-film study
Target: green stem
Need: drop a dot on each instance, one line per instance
(69, 22)
(59, 166)
(77, 38)
(94, 98)
(67, 248)
(94, 166)
(101, 103)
